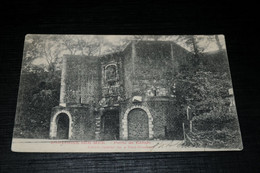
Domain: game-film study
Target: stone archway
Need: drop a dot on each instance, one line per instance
(138, 127)
(54, 124)
(125, 121)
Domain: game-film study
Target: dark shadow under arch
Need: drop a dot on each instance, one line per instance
(62, 126)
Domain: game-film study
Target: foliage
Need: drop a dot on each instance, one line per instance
(216, 130)
(38, 94)
(40, 79)
(205, 90)
(200, 82)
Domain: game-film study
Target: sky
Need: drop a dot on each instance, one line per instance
(115, 40)
(211, 47)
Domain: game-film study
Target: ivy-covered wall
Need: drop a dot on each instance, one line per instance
(83, 80)
(151, 66)
(145, 69)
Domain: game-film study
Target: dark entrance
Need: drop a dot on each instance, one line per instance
(138, 125)
(110, 125)
(62, 126)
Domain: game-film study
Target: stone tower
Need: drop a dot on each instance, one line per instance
(125, 95)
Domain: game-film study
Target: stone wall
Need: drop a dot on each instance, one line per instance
(153, 60)
(159, 111)
(144, 69)
(150, 69)
(128, 72)
(82, 80)
(82, 122)
(161, 114)
(112, 79)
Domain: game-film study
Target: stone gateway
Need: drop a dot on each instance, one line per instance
(126, 95)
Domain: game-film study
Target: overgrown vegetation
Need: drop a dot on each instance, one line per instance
(38, 94)
(205, 90)
(39, 88)
(201, 84)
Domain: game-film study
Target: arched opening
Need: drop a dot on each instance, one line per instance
(63, 125)
(125, 126)
(138, 125)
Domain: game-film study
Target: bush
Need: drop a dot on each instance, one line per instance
(215, 132)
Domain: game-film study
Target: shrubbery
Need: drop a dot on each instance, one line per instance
(215, 124)
(215, 131)
(38, 94)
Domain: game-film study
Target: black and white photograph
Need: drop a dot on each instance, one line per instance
(125, 93)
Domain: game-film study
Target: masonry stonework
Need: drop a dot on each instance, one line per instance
(124, 95)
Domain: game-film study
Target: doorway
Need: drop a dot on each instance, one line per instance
(138, 128)
(110, 125)
(62, 126)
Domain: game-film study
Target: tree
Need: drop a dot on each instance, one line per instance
(82, 45)
(218, 43)
(40, 82)
(37, 96)
(148, 37)
(205, 89)
(39, 86)
(31, 51)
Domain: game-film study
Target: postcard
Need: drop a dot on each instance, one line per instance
(125, 93)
